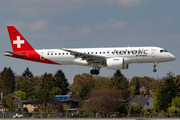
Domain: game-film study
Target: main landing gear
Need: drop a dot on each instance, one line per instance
(95, 70)
(155, 70)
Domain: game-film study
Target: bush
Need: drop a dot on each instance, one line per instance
(25, 109)
(176, 102)
(134, 108)
(173, 110)
(149, 111)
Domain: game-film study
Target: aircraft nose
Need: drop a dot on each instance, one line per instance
(172, 57)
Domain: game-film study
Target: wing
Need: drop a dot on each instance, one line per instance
(9, 53)
(87, 57)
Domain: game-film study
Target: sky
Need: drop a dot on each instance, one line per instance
(57, 24)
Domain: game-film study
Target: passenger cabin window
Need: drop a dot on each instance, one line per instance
(63, 53)
(59, 53)
(103, 52)
(91, 52)
(55, 53)
(48, 54)
(96, 52)
(99, 52)
(51, 53)
(66, 53)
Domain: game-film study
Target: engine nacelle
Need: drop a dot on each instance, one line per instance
(116, 63)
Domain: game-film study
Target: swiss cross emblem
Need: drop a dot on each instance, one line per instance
(18, 42)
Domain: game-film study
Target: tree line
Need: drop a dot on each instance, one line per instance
(27, 86)
(97, 89)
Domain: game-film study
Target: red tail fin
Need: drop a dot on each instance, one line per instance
(18, 42)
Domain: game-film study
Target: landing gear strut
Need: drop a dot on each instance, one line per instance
(155, 70)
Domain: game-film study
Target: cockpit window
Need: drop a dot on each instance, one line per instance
(163, 51)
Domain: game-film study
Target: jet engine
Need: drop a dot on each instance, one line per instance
(117, 63)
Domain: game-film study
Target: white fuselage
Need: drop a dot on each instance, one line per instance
(130, 55)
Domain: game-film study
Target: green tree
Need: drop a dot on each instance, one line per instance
(102, 82)
(61, 81)
(65, 107)
(2, 86)
(25, 109)
(47, 81)
(147, 84)
(42, 100)
(85, 91)
(133, 81)
(27, 74)
(56, 91)
(176, 102)
(137, 87)
(8, 77)
(134, 108)
(80, 81)
(173, 110)
(131, 90)
(166, 91)
(123, 108)
(120, 82)
(29, 88)
(21, 95)
(4, 104)
(8, 102)
(147, 92)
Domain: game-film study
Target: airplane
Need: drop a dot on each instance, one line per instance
(113, 57)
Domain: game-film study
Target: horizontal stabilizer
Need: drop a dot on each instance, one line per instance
(9, 53)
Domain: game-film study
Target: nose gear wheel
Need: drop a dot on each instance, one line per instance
(155, 70)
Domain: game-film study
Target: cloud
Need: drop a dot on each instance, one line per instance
(33, 26)
(38, 25)
(167, 21)
(84, 30)
(124, 3)
(175, 36)
(172, 37)
(111, 24)
(31, 8)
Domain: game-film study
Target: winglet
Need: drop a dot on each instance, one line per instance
(18, 42)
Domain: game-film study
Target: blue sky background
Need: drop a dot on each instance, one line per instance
(92, 23)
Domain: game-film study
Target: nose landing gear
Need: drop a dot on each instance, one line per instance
(155, 70)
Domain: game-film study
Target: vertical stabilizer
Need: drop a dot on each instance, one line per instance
(18, 42)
